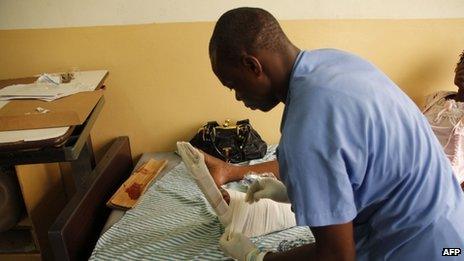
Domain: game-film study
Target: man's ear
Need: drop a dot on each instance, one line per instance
(252, 63)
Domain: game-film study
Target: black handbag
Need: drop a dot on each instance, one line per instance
(233, 144)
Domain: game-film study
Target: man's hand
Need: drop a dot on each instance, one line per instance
(219, 170)
(240, 247)
(270, 188)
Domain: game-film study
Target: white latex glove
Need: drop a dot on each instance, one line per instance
(270, 188)
(240, 247)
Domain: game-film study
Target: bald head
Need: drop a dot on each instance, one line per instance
(245, 30)
(251, 55)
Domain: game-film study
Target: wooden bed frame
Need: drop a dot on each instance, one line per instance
(76, 230)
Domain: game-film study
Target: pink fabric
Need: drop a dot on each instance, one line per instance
(446, 117)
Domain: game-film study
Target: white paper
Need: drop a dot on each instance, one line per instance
(32, 135)
(39, 90)
(3, 103)
(49, 78)
(49, 91)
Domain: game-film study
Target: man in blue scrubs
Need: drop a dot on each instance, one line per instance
(359, 161)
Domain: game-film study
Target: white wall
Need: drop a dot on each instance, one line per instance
(16, 14)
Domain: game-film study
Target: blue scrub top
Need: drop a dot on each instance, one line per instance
(355, 148)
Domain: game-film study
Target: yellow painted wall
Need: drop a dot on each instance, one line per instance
(161, 88)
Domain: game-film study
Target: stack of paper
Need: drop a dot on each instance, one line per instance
(49, 78)
(41, 91)
(32, 135)
(47, 88)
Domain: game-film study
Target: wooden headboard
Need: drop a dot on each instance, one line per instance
(77, 228)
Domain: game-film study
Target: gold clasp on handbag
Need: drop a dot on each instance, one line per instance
(226, 125)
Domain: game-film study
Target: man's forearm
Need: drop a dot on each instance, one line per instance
(305, 252)
(308, 252)
(237, 172)
(333, 242)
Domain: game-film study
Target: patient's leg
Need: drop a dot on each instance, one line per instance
(255, 219)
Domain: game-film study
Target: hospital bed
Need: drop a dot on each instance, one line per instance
(172, 220)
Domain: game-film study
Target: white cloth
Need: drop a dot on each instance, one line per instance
(259, 218)
(446, 117)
